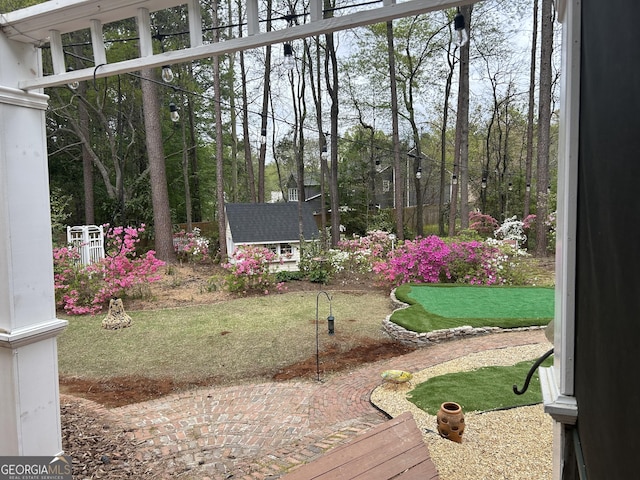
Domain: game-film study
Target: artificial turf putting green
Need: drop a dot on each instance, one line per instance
(439, 306)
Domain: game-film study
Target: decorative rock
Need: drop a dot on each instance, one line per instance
(117, 317)
(396, 376)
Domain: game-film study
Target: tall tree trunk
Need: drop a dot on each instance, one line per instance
(530, 112)
(235, 189)
(544, 123)
(265, 108)
(248, 160)
(398, 170)
(157, 174)
(315, 81)
(463, 115)
(443, 143)
(193, 160)
(331, 76)
(185, 172)
(217, 106)
(87, 161)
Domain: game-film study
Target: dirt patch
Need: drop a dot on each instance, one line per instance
(119, 391)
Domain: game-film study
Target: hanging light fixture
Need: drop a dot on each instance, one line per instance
(510, 186)
(460, 28)
(72, 85)
(454, 179)
(173, 112)
(484, 182)
(323, 152)
(528, 187)
(263, 135)
(289, 61)
(167, 74)
(419, 173)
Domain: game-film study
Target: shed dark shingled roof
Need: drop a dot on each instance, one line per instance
(269, 222)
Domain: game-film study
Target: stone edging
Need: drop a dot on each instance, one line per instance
(407, 337)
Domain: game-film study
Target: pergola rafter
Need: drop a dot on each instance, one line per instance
(45, 23)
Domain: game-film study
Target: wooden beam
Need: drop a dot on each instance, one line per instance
(253, 25)
(32, 24)
(144, 32)
(57, 52)
(195, 23)
(368, 17)
(97, 41)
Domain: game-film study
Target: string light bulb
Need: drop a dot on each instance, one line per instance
(460, 28)
(167, 74)
(75, 84)
(173, 112)
(289, 61)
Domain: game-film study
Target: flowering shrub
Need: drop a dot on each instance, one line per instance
(529, 224)
(86, 289)
(190, 246)
(483, 224)
(512, 231)
(432, 260)
(249, 271)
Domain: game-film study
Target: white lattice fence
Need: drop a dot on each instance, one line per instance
(89, 239)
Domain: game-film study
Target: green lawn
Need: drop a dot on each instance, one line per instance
(487, 388)
(240, 339)
(440, 306)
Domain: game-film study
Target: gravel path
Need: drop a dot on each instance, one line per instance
(513, 444)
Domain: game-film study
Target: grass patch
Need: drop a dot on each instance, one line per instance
(440, 306)
(239, 339)
(487, 388)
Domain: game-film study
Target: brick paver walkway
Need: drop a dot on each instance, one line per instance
(259, 432)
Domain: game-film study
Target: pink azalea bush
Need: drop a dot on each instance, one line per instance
(249, 271)
(86, 289)
(482, 224)
(432, 260)
(190, 246)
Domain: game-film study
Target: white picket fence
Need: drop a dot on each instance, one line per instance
(89, 239)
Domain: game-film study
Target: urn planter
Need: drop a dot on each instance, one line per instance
(451, 421)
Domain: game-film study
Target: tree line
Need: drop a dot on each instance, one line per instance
(464, 125)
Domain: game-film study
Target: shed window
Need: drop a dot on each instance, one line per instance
(286, 249)
(293, 194)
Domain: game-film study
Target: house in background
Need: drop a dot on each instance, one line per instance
(271, 225)
(311, 192)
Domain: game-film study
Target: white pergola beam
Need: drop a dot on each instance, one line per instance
(253, 26)
(57, 52)
(195, 23)
(32, 24)
(316, 10)
(144, 32)
(97, 41)
(368, 17)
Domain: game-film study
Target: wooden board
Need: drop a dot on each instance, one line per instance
(392, 450)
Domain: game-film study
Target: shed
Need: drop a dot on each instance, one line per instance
(271, 225)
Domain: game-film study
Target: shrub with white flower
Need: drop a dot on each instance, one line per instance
(511, 231)
(190, 246)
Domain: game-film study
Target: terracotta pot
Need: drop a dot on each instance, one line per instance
(451, 421)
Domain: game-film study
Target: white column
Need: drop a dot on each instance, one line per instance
(29, 395)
